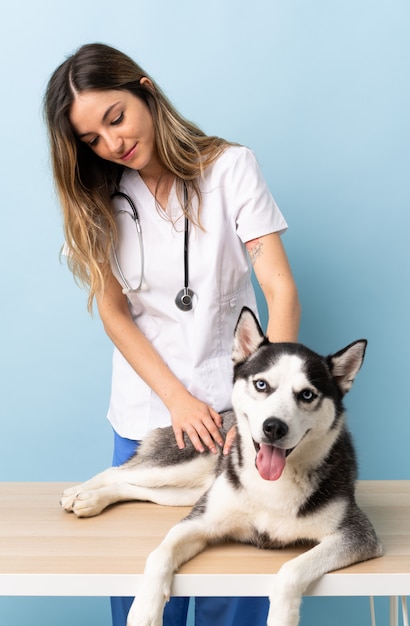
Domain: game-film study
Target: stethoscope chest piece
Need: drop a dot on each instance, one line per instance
(184, 299)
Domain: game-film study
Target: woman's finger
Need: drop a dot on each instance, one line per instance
(229, 439)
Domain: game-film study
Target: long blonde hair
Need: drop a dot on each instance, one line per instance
(85, 182)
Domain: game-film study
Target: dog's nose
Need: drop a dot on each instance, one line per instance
(274, 429)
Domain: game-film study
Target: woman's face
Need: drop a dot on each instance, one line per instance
(117, 126)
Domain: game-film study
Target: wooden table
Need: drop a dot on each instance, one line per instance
(47, 552)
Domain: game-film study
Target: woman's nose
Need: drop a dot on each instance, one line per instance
(114, 143)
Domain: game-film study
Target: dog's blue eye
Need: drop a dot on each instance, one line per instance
(307, 395)
(260, 385)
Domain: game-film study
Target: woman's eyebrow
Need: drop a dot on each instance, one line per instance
(104, 119)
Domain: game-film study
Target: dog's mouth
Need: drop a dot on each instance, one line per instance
(270, 460)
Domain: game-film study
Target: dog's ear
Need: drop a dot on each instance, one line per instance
(248, 336)
(345, 364)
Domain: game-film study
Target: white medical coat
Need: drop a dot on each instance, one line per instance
(237, 206)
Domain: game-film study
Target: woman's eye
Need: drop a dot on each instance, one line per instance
(260, 385)
(93, 142)
(307, 395)
(118, 119)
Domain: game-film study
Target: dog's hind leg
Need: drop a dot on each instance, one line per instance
(111, 476)
(182, 543)
(176, 485)
(93, 502)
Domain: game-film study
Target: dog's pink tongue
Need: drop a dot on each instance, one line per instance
(270, 462)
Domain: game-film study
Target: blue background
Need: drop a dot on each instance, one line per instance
(320, 91)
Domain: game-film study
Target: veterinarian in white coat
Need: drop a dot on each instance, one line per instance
(196, 344)
(161, 223)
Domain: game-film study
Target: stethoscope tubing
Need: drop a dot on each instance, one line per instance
(136, 220)
(184, 298)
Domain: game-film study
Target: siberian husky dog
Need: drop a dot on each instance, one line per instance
(289, 478)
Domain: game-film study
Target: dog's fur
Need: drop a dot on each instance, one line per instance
(290, 476)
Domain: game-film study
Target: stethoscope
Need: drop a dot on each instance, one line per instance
(184, 298)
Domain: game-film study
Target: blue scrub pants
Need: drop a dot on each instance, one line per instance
(218, 611)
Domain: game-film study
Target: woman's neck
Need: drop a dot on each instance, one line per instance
(159, 182)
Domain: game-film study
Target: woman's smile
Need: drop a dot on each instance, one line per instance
(130, 154)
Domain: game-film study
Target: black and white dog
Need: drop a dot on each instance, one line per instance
(290, 476)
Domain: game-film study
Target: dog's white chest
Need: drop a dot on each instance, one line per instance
(282, 500)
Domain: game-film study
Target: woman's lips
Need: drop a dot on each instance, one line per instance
(128, 155)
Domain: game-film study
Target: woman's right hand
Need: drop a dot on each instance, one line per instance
(198, 420)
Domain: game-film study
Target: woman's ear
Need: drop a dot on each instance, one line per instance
(147, 82)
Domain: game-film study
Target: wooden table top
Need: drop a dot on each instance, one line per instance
(43, 549)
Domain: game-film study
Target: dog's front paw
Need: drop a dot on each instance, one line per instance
(282, 618)
(143, 614)
(68, 497)
(82, 503)
(283, 609)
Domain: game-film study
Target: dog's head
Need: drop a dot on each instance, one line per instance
(287, 394)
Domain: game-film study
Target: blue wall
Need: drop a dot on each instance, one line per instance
(320, 91)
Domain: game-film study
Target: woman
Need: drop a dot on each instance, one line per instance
(160, 222)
